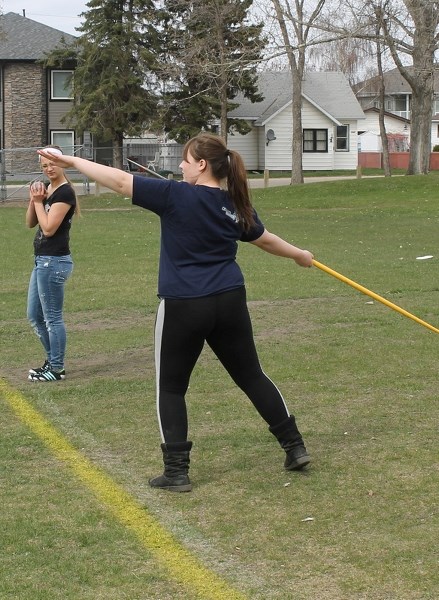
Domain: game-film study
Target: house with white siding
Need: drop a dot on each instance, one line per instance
(398, 97)
(330, 120)
(397, 129)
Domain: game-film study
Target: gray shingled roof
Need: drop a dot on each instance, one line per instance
(394, 83)
(26, 40)
(330, 91)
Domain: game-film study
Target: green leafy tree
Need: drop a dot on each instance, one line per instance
(115, 90)
(212, 51)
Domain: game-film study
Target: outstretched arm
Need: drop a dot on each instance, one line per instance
(273, 244)
(117, 180)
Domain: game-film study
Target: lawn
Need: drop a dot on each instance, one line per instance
(360, 524)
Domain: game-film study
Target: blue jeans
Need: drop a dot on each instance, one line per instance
(45, 305)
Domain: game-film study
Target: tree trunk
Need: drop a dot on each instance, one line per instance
(384, 138)
(381, 118)
(118, 152)
(424, 14)
(297, 68)
(297, 151)
(420, 131)
(224, 106)
(420, 78)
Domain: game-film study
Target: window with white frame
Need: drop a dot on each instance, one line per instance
(342, 138)
(315, 140)
(61, 85)
(400, 103)
(64, 139)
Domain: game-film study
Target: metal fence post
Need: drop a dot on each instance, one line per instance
(3, 176)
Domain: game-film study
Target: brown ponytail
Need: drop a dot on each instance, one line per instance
(225, 164)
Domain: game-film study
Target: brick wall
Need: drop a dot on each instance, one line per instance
(24, 108)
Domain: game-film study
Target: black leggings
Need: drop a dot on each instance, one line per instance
(223, 321)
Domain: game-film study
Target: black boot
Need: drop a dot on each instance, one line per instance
(291, 441)
(175, 477)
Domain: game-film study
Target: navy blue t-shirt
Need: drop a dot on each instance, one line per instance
(199, 235)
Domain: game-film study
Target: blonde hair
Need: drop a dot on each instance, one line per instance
(56, 151)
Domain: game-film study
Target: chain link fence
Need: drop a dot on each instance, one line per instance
(163, 158)
(20, 166)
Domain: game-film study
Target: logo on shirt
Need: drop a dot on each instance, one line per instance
(231, 215)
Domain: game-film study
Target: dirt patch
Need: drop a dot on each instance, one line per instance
(126, 364)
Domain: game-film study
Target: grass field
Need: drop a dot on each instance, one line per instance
(360, 524)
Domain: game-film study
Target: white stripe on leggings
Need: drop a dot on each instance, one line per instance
(160, 318)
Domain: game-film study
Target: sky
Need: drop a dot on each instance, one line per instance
(59, 14)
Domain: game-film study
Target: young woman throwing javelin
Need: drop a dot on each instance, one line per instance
(201, 291)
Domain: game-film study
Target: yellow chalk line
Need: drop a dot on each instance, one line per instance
(181, 565)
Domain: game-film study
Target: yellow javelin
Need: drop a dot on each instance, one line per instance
(361, 288)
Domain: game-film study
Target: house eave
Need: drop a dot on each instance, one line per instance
(273, 115)
(322, 110)
(313, 103)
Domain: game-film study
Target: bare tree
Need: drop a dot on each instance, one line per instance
(409, 29)
(295, 23)
(351, 56)
(419, 39)
(212, 52)
(382, 93)
(356, 58)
